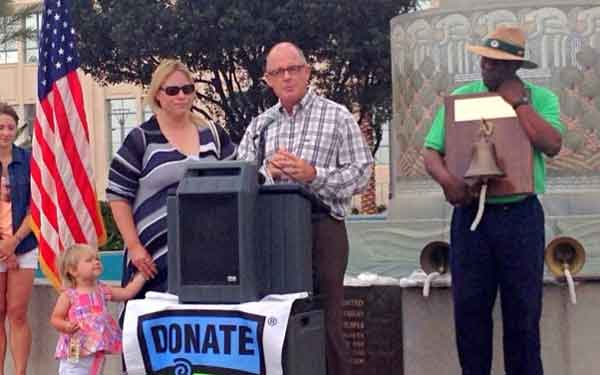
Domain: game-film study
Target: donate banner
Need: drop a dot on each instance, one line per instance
(161, 336)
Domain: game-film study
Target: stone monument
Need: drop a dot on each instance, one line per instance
(429, 60)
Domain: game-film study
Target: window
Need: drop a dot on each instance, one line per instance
(382, 156)
(147, 112)
(29, 117)
(34, 23)
(8, 50)
(121, 119)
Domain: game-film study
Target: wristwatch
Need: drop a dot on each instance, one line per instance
(523, 100)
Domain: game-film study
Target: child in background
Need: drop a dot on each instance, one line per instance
(87, 329)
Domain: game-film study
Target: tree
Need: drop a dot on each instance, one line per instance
(357, 66)
(12, 25)
(224, 43)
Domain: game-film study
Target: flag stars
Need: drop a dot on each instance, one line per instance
(57, 17)
(58, 65)
(61, 51)
(69, 59)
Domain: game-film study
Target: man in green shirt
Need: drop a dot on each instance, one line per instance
(506, 252)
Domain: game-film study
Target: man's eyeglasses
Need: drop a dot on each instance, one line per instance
(174, 90)
(292, 69)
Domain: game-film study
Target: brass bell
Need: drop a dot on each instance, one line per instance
(565, 257)
(435, 257)
(483, 161)
(564, 251)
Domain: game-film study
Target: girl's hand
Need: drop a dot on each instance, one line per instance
(132, 288)
(70, 327)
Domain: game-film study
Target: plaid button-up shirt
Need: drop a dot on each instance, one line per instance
(324, 134)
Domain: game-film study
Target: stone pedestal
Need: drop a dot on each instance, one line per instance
(569, 333)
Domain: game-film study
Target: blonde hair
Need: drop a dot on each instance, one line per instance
(68, 261)
(161, 73)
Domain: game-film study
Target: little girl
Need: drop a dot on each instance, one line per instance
(87, 329)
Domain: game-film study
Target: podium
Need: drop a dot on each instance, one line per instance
(211, 235)
(233, 242)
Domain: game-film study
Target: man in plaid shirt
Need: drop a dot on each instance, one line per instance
(316, 142)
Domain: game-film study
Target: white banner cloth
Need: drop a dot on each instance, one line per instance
(162, 336)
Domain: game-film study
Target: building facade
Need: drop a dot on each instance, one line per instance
(111, 110)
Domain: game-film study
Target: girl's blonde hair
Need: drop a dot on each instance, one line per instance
(68, 261)
(161, 73)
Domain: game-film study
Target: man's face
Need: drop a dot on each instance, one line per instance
(287, 74)
(495, 72)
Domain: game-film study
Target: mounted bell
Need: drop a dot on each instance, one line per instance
(435, 257)
(483, 161)
(563, 251)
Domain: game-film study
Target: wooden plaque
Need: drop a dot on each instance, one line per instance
(514, 152)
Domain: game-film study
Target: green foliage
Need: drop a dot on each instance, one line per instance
(113, 236)
(12, 25)
(224, 43)
(357, 54)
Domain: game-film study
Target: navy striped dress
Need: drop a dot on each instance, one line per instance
(143, 170)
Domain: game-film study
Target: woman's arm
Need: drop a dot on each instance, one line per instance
(141, 259)
(130, 290)
(59, 320)
(8, 245)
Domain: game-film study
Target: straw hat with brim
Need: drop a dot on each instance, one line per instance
(504, 43)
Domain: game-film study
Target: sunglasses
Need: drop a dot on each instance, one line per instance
(174, 90)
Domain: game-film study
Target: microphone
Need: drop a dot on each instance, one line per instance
(261, 150)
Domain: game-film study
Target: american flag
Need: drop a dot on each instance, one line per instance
(64, 207)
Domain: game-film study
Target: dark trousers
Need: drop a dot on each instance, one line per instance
(330, 258)
(506, 252)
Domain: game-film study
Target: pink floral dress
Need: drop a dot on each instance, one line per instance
(98, 330)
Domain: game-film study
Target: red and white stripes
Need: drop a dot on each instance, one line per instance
(64, 206)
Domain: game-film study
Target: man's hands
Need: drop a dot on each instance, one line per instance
(512, 91)
(458, 192)
(286, 164)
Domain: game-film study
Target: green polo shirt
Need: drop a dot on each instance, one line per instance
(544, 101)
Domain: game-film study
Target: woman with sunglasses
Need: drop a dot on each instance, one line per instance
(150, 162)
